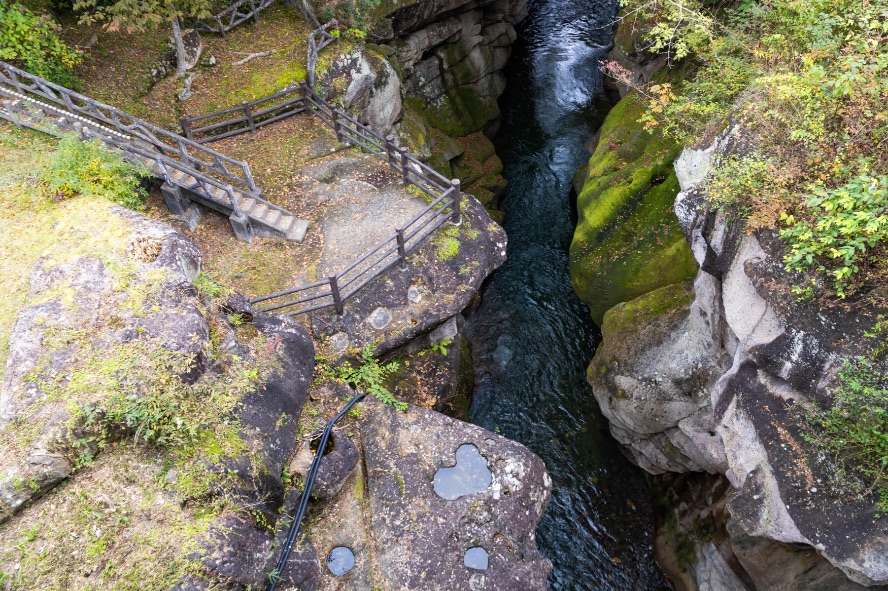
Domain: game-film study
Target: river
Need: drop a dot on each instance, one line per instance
(531, 337)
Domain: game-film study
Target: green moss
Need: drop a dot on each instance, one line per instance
(624, 317)
(628, 241)
(458, 113)
(414, 133)
(447, 244)
(358, 488)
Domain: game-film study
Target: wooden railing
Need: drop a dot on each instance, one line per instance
(239, 12)
(317, 40)
(445, 204)
(109, 121)
(249, 117)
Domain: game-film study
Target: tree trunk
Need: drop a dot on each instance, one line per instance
(180, 47)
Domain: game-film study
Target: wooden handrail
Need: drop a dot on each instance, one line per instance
(234, 15)
(96, 113)
(445, 193)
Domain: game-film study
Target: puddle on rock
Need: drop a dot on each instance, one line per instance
(340, 560)
(476, 558)
(470, 475)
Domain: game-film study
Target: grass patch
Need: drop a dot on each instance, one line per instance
(113, 527)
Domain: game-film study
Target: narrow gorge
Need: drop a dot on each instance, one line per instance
(495, 295)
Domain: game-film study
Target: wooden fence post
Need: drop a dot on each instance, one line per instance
(235, 206)
(249, 113)
(457, 202)
(337, 297)
(404, 169)
(390, 150)
(334, 115)
(306, 100)
(255, 12)
(186, 127)
(402, 244)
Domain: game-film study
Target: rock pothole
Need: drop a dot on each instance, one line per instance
(470, 475)
(476, 558)
(340, 561)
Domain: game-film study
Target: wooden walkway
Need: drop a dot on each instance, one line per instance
(189, 170)
(192, 171)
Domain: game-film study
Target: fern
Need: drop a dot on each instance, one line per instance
(370, 377)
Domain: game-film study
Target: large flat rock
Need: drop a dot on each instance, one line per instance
(421, 538)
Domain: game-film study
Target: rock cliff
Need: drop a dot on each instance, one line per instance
(711, 375)
(709, 363)
(431, 77)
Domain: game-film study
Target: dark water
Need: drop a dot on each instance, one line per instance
(532, 338)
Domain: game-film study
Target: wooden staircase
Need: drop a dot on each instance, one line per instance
(189, 171)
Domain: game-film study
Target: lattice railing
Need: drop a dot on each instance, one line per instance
(239, 12)
(90, 112)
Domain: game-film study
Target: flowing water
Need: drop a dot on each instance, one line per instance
(532, 338)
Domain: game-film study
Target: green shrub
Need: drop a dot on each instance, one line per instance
(845, 224)
(370, 377)
(355, 17)
(855, 428)
(90, 168)
(31, 42)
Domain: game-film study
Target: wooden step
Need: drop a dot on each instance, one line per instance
(220, 194)
(259, 211)
(247, 204)
(272, 217)
(296, 231)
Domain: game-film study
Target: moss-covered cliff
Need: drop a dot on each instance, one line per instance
(628, 241)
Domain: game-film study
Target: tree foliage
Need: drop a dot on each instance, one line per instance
(808, 83)
(32, 42)
(139, 15)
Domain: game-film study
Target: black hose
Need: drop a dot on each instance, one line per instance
(306, 493)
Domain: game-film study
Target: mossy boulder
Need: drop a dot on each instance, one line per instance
(628, 241)
(630, 318)
(459, 112)
(141, 410)
(480, 169)
(415, 135)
